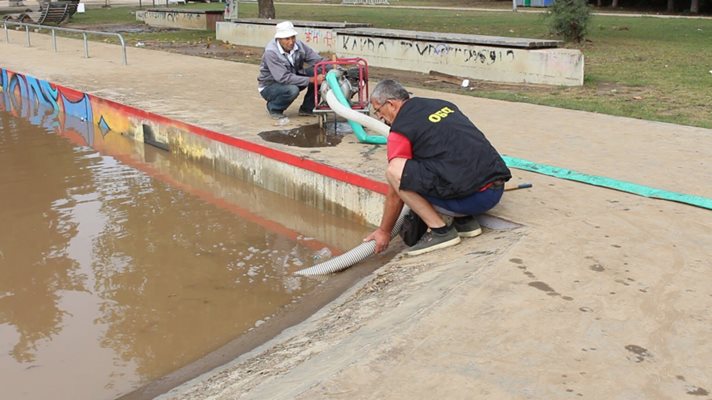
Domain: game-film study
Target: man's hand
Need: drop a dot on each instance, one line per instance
(318, 79)
(381, 237)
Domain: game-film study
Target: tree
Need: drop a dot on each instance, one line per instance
(695, 7)
(569, 19)
(265, 9)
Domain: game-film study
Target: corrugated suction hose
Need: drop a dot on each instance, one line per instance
(352, 256)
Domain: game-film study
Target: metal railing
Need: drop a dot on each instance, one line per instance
(54, 29)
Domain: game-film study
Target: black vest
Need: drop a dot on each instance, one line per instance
(451, 157)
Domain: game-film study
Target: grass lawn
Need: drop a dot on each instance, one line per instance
(641, 67)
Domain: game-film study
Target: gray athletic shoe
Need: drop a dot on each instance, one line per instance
(467, 227)
(434, 241)
(277, 115)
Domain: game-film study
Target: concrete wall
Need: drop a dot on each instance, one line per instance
(322, 186)
(495, 59)
(181, 19)
(320, 36)
(552, 66)
(309, 182)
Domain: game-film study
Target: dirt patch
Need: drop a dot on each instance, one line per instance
(123, 28)
(209, 49)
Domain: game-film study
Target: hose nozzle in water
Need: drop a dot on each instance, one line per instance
(353, 256)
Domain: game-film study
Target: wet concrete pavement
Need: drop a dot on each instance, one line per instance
(599, 294)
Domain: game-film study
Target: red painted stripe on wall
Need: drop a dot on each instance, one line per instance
(322, 169)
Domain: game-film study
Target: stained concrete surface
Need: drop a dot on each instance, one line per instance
(601, 294)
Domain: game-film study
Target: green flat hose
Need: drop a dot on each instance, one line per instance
(332, 80)
(640, 190)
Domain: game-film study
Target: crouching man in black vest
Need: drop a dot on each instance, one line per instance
(438, 161)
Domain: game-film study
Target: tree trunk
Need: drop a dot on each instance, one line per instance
(265, 9)
(670, 6)
(614, 4)
(695, 7)
(599, 3)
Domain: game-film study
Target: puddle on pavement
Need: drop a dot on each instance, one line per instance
(120, 263)
(313, 135)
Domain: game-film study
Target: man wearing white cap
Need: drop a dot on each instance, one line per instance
(282, 73)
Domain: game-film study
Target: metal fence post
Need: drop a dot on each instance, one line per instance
(123, 48)
(86, 46)
(84, 33)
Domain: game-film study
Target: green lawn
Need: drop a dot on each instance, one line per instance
(648, 68)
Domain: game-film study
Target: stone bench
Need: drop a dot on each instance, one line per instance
(203, 20)
(257, 32)
(490, 58)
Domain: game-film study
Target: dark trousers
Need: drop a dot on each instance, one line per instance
(475, 204)
(280, 96)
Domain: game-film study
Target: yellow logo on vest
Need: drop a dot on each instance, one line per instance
(440, 114)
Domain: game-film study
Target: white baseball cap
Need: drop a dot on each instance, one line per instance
(284, 30)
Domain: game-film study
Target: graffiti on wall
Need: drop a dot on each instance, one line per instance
(316, 36)
(48, 105)
(363, 43)
(176, 19)
(173, 16)
(466, 53)
(428, 51)
(94, 118)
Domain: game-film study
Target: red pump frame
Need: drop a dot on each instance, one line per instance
(321, 68)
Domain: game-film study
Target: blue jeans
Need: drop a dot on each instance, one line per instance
(474, 204)
(280, 96)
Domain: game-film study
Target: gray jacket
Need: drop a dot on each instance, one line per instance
(275, 67)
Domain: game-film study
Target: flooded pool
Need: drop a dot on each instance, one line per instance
(120, 263)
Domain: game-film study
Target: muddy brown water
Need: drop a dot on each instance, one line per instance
(121, 263)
